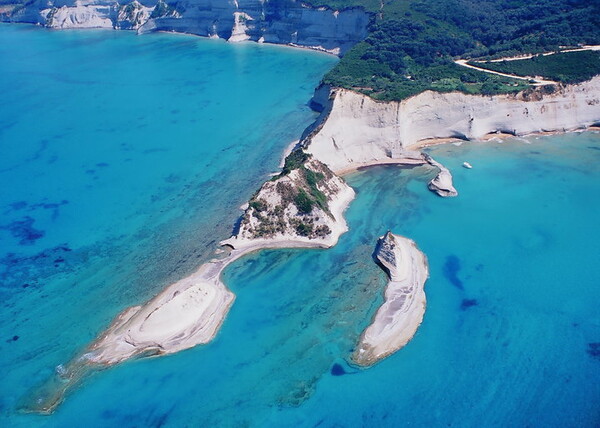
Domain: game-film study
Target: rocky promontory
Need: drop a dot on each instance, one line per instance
(397, 320)
(301, 207)
(304, 203)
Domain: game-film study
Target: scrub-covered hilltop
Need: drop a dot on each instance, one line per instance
(412, 43)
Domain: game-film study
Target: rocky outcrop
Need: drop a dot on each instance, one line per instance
(272, 21)
(397, 320)
(132, 16)
(442, 182)
(358, 130)
(303, 205)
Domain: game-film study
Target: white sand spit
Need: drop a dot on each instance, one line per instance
(190, 311)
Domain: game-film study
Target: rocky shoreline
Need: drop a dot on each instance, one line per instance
(289, 23)
(303, 207)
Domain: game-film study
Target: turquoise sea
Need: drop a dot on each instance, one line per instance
(123, 160)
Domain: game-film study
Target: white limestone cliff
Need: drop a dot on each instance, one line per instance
(357, 130)
(132, 16)
(81, 15)
(291, 23)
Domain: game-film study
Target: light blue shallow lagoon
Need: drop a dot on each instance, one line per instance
(123, 161)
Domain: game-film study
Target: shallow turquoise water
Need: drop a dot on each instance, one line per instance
(512, 319)
(122, 159)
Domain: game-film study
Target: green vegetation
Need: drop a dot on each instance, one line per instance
(411, 43)
(370, 5)
(294, 161)
(376, 79)
(302, 191)
(309, 196)
(303, 202)
(312, 179)
(569, 67)
(303, 229)
(258, 204)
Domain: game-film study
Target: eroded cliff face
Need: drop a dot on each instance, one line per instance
(357, 130)
(272, 21)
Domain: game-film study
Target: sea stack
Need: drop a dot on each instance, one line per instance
(442, 183)
(397, 320)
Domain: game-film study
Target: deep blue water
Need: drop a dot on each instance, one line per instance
(512, 328)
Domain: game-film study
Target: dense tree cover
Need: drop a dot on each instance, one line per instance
(571, 67)
(411, 43)
(507, 26)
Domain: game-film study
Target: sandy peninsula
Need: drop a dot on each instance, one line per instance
(191, 311)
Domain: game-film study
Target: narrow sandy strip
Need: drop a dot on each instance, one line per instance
(398, 319)
(190, 311)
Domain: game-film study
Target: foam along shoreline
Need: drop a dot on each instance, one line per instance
(398, 319)
(187, 313)
(442, 183)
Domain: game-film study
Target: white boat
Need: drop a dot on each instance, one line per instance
(467, 165)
